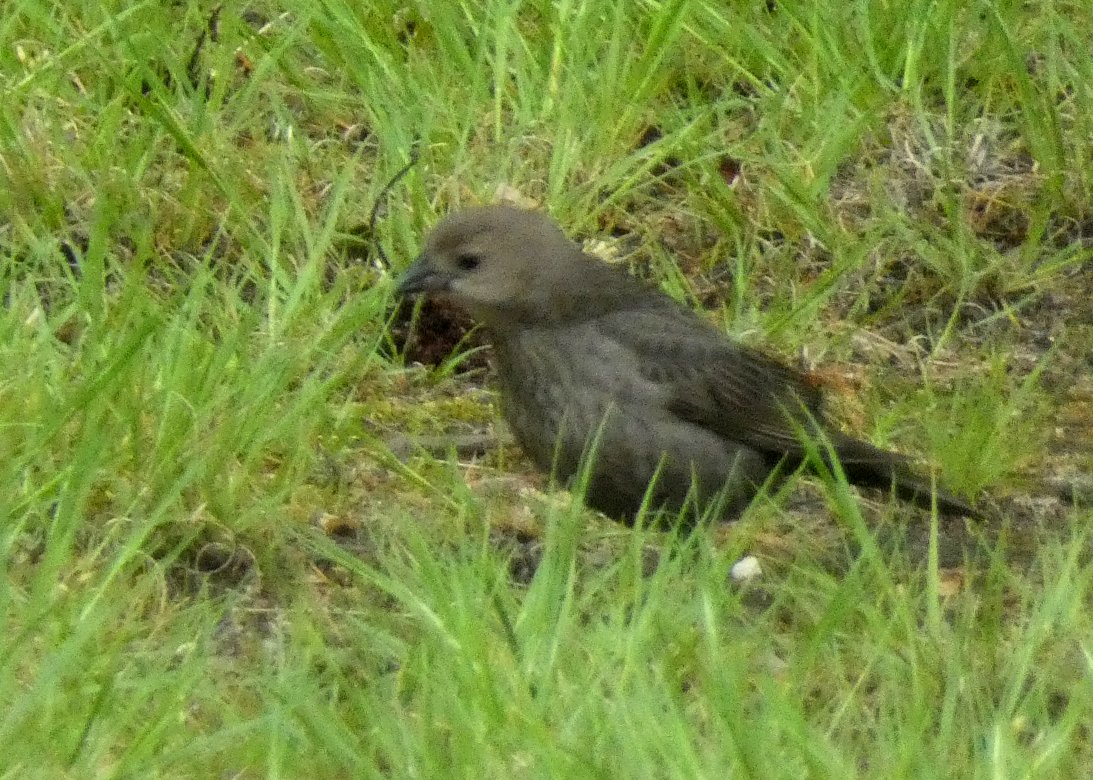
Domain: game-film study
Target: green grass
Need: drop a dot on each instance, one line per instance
(214, 564)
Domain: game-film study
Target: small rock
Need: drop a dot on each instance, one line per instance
(746, 569)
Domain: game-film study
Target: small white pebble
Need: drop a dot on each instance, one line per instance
(745, 569)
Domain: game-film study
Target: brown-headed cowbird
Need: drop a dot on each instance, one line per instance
(597, 368)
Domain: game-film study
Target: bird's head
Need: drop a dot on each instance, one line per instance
(499, 263)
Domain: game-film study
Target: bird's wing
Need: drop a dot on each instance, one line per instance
(712, 382)
(749, 398)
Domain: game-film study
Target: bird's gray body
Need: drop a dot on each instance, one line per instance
(598, 369)
(620, 416)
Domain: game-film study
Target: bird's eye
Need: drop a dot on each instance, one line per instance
(467, 261)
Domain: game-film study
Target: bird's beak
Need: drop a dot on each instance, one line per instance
(421, 277)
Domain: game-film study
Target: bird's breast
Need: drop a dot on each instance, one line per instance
(558, 384)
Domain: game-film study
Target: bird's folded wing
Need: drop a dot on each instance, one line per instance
(709, 381)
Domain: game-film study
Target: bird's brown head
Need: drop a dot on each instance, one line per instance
(500, 263)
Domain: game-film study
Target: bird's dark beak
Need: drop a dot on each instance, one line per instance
(422, 277)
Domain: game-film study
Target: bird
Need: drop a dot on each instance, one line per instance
(614, 387)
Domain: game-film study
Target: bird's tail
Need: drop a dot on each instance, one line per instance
(870, 466)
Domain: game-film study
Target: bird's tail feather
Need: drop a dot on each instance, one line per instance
(870, 466)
